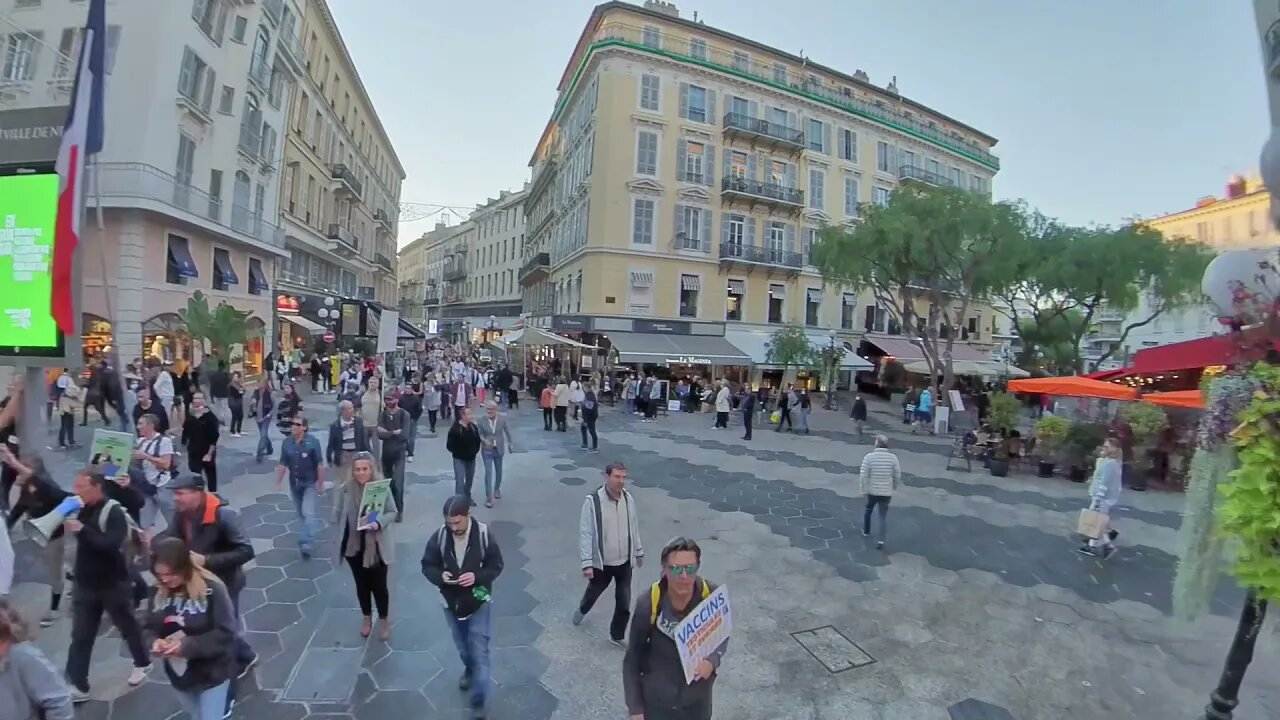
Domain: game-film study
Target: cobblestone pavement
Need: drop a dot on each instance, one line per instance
(978, 608)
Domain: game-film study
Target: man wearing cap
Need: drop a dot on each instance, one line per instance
(302, 458)
(394, 426)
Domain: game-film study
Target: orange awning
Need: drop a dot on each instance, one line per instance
(1176, 398)
(1074, 387)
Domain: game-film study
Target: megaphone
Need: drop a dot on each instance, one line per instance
(46, 525)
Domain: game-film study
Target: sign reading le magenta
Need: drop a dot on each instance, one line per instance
(31, 135)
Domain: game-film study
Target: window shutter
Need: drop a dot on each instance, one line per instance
(843, 140)
(826, 139)
(709, 166)
(210, 82)
(750, 223)
(790, 175)
(724, 230)
(679, 227)
(681, 159)
(869, 323)
(753, 108)
(684, 100)
(792, 122)
(711, 107)
(790, 235)
(728, 156)
(706, 230)
(751, 167)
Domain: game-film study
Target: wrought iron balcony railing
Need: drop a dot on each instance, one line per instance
(735, 252)
(763, 190)
(745, 124)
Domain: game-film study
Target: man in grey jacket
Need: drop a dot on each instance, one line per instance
(394, 425)
(608, 541)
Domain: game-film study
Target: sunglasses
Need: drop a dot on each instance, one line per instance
(683, 570)
(298, 424)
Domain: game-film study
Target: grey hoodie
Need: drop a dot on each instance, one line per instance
(30, 687)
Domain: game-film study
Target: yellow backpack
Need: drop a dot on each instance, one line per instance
(655, 594)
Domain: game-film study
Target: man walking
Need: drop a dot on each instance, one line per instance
(785, 402)
(463, 561)
(346, 438)
(463, 443)
(859, 414)
(101, 582)
(220, 391)
(495, 441)
(302, 459)
(879, 476)
(590, 414)
(394, 426)
(608, 541)
(748, 407)
(155, 458)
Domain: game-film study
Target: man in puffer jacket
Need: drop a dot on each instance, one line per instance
(880, 476)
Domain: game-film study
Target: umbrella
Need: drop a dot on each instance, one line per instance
(1191, 399)
(1081, 387)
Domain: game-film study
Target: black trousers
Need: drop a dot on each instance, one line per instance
(431, 419)
(747, 418)
(562, 418)
(651, 409)
(209, 470)
(589, 426)
(67, 429)
(546, 418)
(620, 576)
(371, 586)
(513, 398)
(87, 607)
(722, 419)
(784, 416)
(237, 419)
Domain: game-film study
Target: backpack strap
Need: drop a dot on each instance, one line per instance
(655, 594)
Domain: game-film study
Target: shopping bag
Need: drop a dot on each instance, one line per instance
(775, 417)
(1092, 524)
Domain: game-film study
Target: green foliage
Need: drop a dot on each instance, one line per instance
(1051, 432)
(1146, 421)
(1002, 411)
(789, 346)
(1049, 343)
(1200, 543)
(1250, 510)
(893, 375)
(1082, 442)
(221, 327)
(362, 347)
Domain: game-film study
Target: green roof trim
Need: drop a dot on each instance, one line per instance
(991, 161)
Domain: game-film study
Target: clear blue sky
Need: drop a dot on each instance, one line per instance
(1104, 109)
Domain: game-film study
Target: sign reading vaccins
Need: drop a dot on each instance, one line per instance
(704, 630)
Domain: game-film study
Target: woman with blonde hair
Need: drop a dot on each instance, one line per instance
(366, 542)
(192, 623)
(1104, 493)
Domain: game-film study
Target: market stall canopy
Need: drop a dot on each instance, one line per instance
(1190, 399)
(1109, 374)
(1081, 387)
(409, 332)
(538, 336)
(660, 349)
(1192, 354)
(314, 328)
(755, 343)
(982, 368)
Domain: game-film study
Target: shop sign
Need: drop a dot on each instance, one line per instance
(689, 360)
(570, 322)
(31, 135)
(661, 327)
(287, 303)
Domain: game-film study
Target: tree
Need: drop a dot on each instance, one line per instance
(1048, 343)
(789, 347)
(936, 248)
(220, 327)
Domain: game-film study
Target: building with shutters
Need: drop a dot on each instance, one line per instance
(480, 290)
(684, 173)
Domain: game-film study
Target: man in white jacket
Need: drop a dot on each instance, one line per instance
(880, 475)
(608, 541)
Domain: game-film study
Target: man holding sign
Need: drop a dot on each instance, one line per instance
(679, 633)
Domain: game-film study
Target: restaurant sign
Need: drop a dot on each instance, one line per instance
(31, 135)
(658, 327)
(570, 322)
(689, 360)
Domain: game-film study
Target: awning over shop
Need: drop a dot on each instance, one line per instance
(257, 280)
(538, 336)
(983, 368)
(180, 258)
(222, 266)
(1191, 355)
(755, 343)
(409, 332)
(312, 327)
(905, 350)
(658, 349)
(1080, 387)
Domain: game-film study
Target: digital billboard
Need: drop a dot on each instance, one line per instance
(28, 212)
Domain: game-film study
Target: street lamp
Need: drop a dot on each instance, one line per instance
(329, 313)
(829, 402)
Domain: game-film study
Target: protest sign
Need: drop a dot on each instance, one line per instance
(111, 450)
(373, 503)
(704, 630)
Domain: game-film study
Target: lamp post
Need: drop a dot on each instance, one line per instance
(829, 402)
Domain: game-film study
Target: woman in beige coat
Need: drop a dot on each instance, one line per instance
(366, 543)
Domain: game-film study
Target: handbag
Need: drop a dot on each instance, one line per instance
(1092, 524)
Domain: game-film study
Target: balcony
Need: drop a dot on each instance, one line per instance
(455, 272)
(750, 255)
(344, 180)
(911, 173)
(762, 133)
(301, 280)
(450, 299)
(432, 298)
(755, 192)
(383, 219)
(250, 145)
(260, 74)
(348, 243)
(383, 262)
(536, 269)
(136, 185)
(289, 49)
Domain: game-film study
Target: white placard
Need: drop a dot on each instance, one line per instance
(957, 402)
(388, 330)
(704, 630)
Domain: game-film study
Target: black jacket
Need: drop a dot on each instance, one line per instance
(208, 625)
(463, 442)
(333, 448)
(411, 402)
(214, 531)
(38, 496)
(219, 383)
(652, 676)
(286, 410)
(99, 562)
(200, 434)
(162, 416)
(859, 411)
(486, 563)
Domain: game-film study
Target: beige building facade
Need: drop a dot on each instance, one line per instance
(438, 249)
(683, 177)
(482, 296)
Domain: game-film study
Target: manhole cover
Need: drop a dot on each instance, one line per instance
(830, 647)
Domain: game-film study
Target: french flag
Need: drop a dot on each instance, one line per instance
(81, 137)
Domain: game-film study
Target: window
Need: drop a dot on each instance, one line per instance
(697, 103)
(275, 88)
(932, 166)
(221, 259)
(848, 304)
(642, 217)
(251, 127)
(693, 228)
(735, 234)
(815, 135)
(812, 306)
(694, 164)
(211, 16)
(734, 297)
(226, 101)
(776, 240)
(880, 196)
(20, 55)
(740, 60)
(268, 150)
(257, 278)
(882, 156)
(651, 37)
(239, 28)
(690, 286)
(850, 196)
(907, 158)
(957, 177)
(1253, 223)
(698, 48)
(215, 194)
(808, 238)
(779, 73)
(817, 189)
(848, 142)
(777, 297)
(179, 265)
(258, 64)
(650, 92)
(184, 169)
(647, 153)
(739, 163)
(196, 80)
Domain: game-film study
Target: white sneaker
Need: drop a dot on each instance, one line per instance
(138, 676)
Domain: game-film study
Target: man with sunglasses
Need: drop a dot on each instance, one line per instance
(302, 458)
(608, 540)
(653, 679)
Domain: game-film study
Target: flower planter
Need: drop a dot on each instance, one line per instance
(1077, 473)
(1045, 469)
(999, 468)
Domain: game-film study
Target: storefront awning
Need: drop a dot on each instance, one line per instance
(905, 350)
(656, 349)
(222, 266)
(257, 280)
(1192, 354)
(538, 337)
(409, 332)
(756, 344)
(180, 258)
(312, 327)
(980, 368)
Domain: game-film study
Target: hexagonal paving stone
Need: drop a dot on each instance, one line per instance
(276, 558)
(273, 499)
(309, 569)
(265, 532)
(150, 699)
(291, 590)
(392, 704)
(263, 577)
(277, 517)
(572, 481)
(823, 532)
(272, 617)
(251, 598)
(266, 644)
(518, 665)
(405, 670)
(530, 701)
(972, 709)
(442, 692)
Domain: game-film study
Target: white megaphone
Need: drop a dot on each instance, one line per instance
(46, 525)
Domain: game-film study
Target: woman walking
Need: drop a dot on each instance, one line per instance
(562, 405)
(431, 401)
(261, 407)
(367, 548)
(30, 687)
(235, 402)
(192, 622)
(575, 397)
(371, 412)
(1104, 493)
(289, 408)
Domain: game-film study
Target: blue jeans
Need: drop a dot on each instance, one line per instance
(265, 449)
(208, 705)
(304, 499)
(471, 636)
(413, 436)
(464, 473)
(492, 471)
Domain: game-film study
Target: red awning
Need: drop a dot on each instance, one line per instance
(1189, 355)
(1109, 375)
(904, 350)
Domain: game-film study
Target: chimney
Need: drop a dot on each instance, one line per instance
(663, 8)
(1235, 187)
(440, 226)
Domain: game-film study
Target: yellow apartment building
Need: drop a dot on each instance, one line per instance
(340, 183)
(684, 174)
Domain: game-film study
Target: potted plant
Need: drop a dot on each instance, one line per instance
(1051, 431)
(1080, 446)
(1002, 414)
(1146, 421)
